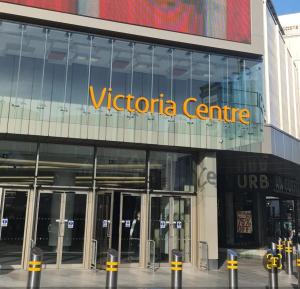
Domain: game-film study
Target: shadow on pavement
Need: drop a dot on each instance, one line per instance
(6, 270)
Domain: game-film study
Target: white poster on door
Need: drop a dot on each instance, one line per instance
(127, 224)
(162, 224)
(4, 222)
(70, 224)
(179, 225)
(104, 224)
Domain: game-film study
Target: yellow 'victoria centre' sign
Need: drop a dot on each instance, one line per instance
(169, 107)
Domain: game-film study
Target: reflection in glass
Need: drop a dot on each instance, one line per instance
(130, 229)
(45, 75)
(160, 227)
(12, 212)
(172, 171)
(118, 167)
(48, 226)
(280, 218)
(170, 226)
(182, 227)
(64, 165)
(103, 226)
(74, 231)
(17, 162)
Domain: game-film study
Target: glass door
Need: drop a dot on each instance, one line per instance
(12, 227)
(118, 226)
(104, 220)
(61, 227)
(170, 226)
(182, 226)
(130, 228)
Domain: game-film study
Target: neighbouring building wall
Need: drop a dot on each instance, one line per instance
(281, 85)
(291, 26)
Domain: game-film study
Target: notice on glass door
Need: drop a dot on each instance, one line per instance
(70, 224)
(162, 224)
(4, 222)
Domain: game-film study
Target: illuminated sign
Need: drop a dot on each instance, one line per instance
(222, 19)
(168, 107)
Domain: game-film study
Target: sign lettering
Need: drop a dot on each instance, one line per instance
(168, 107)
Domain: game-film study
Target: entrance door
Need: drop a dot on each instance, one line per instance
(104, 222)
(170, 227)
(130, 228)
(118, 226)
(13, 219)
(61, 228)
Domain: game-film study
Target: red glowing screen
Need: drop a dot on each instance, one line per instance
(223, 19)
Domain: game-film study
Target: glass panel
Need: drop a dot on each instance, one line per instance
(244, 213)
(10, 34)
(287, 211)
(172, 171)
(103, 226)
(48, 225)
(17, 162)
(182, 227)
(121, 168)
(12, 227)
(64, 165)
(131, 228)
(73, 239)
(160, 227)
(45, 74)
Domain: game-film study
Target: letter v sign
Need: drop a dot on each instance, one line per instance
(96, 104)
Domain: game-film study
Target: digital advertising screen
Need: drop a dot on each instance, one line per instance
(222, 19)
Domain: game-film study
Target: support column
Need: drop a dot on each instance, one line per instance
(207, 205)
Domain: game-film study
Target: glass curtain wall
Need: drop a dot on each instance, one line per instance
(121, 168)
(172, 171)
(45, 74)
(17, 162)
(65, 165)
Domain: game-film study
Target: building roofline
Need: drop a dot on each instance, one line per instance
(272, 9)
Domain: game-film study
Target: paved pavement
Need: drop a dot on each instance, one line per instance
(251, 275)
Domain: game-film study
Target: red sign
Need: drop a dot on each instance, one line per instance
(223, 19)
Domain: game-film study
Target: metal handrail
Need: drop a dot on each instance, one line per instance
(94, 256)
(204, 266)
(151, 263)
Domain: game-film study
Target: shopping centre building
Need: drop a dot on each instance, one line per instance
(145, 126)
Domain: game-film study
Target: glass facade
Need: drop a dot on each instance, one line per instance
(17, 162)
(258, 199)
(172, 171)
(65, 165)
(45, 76)
(62, 165)
(117, 168)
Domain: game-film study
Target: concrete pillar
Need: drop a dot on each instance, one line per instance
(207, 205)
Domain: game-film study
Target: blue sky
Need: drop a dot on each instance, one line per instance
(287, 6)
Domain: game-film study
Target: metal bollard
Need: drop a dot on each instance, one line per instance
(232, 266)
(272, 266)
(280, 251)
(289, 257)
(35, 268)
(176, 269)
(112, 269)
(298, 263)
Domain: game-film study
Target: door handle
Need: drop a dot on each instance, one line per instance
(61, 229)
(108, 229)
